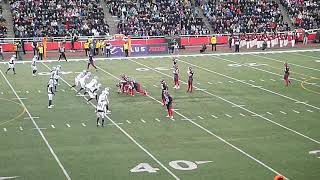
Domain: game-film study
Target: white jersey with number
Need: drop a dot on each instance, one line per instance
(83, 80)
(34, 64)
(12, 62)
(101, 109)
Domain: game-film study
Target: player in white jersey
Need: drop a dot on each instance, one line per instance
(56, 77)
(93, 92)
(101, 112)
(104, 97)
(91, 84)
(34, 65)
(11, 64)
(82, 81)
(78, 77)
(50, 91)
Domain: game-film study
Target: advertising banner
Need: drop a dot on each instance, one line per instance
(141, 50)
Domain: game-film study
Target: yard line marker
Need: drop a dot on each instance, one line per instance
(157, 119)
(283, 112)
(21, 129)
(296, 111)
(230, 82)
(251, 80)
(20, 98)
(198, 89)
(238, 105)
(200, 117)
(110, 124)
(242, 114)
(228, 115)
(142, 120)
(40, 132)
(27, 92)
(232, 103)
(125, 133)
(262, 80)
(83, 124)
(128, 122)
(209, 82)
(53, 126)
(309, 110)
(38, 128)
(214, 116)
(5, 129)
(269, 113)
(155, 86)
(219, 82)
(272, 80)
(68, 125)
(34, 117)
(202, 162)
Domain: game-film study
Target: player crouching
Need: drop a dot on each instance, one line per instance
(129, 86)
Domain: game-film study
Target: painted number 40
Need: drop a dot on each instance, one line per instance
(182, 165)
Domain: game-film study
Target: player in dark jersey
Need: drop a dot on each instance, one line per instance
(168, 103)
(190, 79)
(90, 61)
(176, 77)
(164, 88)
(286, 74)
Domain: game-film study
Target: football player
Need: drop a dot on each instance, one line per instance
(93, 92)
(101, 112)
(104, 97)
(82, 82)
(164, 88)
(51, 91)
(286, 74)
(78, 77)
(90, 61)
(176, 76)
(56, 77)
(91, 84)
(190, 79)
(168, 103)
(34, 65)
(11, 64)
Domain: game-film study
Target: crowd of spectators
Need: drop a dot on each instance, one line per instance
(158, 17)
(303, 13)
(3, 28)
(38, 18)
(243, 16)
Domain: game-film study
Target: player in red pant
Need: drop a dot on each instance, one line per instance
(168, 103)
(190, 79)
(176, 77)
(286, 74)
(164, 88)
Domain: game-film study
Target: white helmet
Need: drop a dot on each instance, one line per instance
(58, 66)
(54, 68)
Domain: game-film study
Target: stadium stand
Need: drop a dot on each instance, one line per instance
(303, 14)
(246, 16)
(3, 28)
(36, 18)
(158, 18)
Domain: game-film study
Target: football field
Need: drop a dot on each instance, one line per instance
(239, 123)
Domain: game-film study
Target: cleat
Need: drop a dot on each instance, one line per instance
(171, 117)
(49, 107)
(167, 116)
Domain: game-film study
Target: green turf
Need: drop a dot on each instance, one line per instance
(269, 133)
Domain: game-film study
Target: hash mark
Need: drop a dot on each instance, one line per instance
(214, 116)
(296, 111)
(272, 80)
(228, 115)
(53, 126)
(142, 120)
(209, 82)
(283, 112)
(157, 119)
(68, 125)
(269, 113)
(83, 124)
(128, 121)
(21, 129)
(309, 110)
(5, 129)
(242, 114)
(200, 117)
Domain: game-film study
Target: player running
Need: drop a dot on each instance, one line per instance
(176, 76)
(168, 103)
(34, 65)
(190, 79)
(101, 112)
(104, 97)
(286, 74)
(50, 91)
(12, 64)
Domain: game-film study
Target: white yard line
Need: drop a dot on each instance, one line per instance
(209, 132)
(214, 116)
(39, 130)
(283, 112)
(269, 113)
(157, 119)
(34, 117)
(249, 84)
(272, 59)
(128, 135)
(296, 111)
(232, 103)
(228, 115)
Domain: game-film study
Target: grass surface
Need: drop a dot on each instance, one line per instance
(240, 117)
